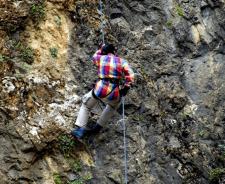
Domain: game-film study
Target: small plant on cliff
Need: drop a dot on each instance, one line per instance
(54, 52)
(58, 20)
(57, 178)
(138, 117)
(169, 23)
(3, 58)
(216, 174)
(179, 10)
(24, 52)
(82, 180)
(77, 181)
(27, 55)
(66, 144)
(221, 146)
(37, 11)
(76, 166)
(87, 177)
(201, 133)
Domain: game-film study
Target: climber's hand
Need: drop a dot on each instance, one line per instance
(101, 45)
(124, 91)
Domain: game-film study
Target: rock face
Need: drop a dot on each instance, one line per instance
(175, 111)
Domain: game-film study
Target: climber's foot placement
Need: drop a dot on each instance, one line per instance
(96, 128)
(81, 132)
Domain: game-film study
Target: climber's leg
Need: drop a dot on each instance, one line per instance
(107, 113)
(88, 103)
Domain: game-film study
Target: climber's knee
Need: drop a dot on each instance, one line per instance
(88, 100)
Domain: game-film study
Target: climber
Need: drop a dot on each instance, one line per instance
(111, 70)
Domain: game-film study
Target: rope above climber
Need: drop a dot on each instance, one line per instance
(111, 70)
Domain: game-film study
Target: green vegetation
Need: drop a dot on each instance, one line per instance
(58, 20)
(82, 180)
(57, 178)
(87, 177)
(201, 133)
(54, 52)
(138, 117)
(37, 11)
(76, 166)
(215, 174)
(26, 67)
(27, 55)
(77, 181)
(66, 144)
(221, 156)
(24, 52)
(169, 23)
(179, 10)
(221, 146)
(12, 27)
(3, 58)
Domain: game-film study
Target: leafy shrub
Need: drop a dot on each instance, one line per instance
(58, 20)
(215, 174)
(37, 11)
(54, 52)
(77, 181)
(27, 55)
(169, 23)
(3, 58)
(179, 11)
(57, 178)
(66, 144)
(76, 166)
(24, 52)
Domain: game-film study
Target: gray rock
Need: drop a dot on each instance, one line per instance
(175, 110)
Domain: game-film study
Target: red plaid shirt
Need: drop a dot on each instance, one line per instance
(113, 67)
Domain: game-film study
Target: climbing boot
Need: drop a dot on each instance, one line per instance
(79, 132)
(95, 129)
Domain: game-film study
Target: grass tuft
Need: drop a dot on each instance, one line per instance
(66, 144)
(57, 178)
(37, 11)
(216, 174)
(180, 11)
(54, 52)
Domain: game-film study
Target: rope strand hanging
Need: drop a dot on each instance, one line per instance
(125, 144)
(102, 26)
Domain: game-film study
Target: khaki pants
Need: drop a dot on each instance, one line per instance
(88, 103)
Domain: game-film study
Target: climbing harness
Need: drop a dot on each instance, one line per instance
(124, 142)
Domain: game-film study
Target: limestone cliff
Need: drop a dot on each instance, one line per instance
(175, 110)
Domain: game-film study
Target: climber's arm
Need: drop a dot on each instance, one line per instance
(96, 57)
(129, 78)
(128, 74)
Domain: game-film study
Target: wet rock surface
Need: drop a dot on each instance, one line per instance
(175, 124)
